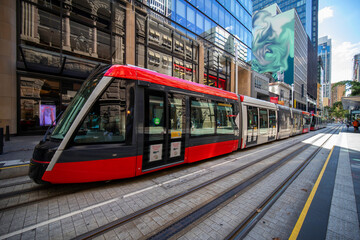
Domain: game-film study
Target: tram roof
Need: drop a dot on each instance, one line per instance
(137, 73)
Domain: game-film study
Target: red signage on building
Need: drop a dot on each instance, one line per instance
(274, 99)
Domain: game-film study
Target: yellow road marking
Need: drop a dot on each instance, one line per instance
(302, 216)
(15, 166)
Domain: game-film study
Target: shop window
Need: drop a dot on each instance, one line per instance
(39, 103)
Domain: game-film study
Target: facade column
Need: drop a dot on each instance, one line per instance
(130, 34)
(94, 35)
(232, 77)
(8, 98)
(201, 63)
(66, 27)
(29, 22)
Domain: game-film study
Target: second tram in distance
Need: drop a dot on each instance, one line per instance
(127, 121)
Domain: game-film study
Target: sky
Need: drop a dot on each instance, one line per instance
(340, 21)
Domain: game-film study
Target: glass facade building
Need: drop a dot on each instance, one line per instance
(60, 42)
(306, 9)
(222, 28)
(324, 50)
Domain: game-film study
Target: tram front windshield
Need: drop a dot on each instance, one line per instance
(76, 105)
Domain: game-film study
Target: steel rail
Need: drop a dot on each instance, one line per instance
(250, 221)
(121, 221)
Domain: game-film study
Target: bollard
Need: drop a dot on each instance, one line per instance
(7, 133)
(1, 140)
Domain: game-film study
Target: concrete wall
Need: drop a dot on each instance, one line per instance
(8, 65)
(244, 80)
(130, 34)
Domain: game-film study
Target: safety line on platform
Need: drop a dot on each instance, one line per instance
(305, 210)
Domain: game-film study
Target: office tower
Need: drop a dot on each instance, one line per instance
(324, 50)
(306, 9)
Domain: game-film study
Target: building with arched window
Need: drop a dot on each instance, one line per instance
(49, 47)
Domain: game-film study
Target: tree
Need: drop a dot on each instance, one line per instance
(337, 111)
(352, 85)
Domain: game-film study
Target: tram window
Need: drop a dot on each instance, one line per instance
(176, 115)
(224, 118)
(272, 119)
(263, 118)
(107, 121)
(252, 117)
(156, 122)
(202, 117)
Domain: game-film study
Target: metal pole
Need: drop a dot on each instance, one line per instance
(292, 95)
(1, 140)
(7, 133)
(236, 70)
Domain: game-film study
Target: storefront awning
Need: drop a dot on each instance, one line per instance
(351, 103)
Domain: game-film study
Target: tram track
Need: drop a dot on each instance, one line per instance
(250, 221)
(59, 190)
(127, 219)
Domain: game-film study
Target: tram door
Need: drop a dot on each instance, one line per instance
(252, 125)
(164, 129)
(272, 125)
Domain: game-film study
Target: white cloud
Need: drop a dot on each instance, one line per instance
(342, 61)
(326, 12)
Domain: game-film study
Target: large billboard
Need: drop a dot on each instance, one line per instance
(273, 43)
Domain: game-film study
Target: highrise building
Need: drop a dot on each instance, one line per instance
(50, 47)
(337, 92)
(356, 68)
(324, 50)
(306, 9)
(280, 47)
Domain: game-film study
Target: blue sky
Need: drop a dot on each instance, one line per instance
(340, 20)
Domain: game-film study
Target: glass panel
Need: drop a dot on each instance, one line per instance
(199, 23)
(39, 104)
(190, 18)
(225, 118)
(76, 105)
(156, 118)
(263, 118)
(68, 92)
(176, 117)
(272, 119)
(208, 9)
(180, 12)
(202, 117)
(106, 120)
(215, 13)
(252, 117)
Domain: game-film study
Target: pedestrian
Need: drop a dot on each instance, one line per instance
(356, 125)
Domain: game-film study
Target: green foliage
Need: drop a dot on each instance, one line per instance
(337, 111)
(352, 85)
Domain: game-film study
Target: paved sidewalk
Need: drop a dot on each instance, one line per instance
(17, 152)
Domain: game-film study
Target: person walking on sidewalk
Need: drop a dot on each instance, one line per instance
(356, 125)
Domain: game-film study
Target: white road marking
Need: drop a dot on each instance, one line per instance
(56, 219)
(118, 198)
